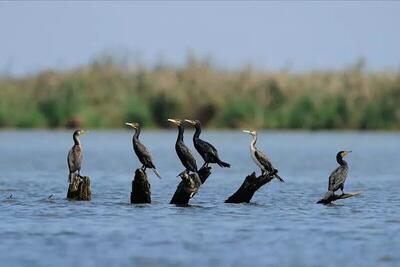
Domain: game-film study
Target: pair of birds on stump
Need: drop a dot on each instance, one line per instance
(207, 151)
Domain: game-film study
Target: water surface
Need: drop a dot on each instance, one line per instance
(282, 226)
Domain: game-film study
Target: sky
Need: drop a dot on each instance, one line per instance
(301, 36)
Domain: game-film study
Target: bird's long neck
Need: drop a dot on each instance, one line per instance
(180, 134)
(136, 135)
(77, 142)
(197, 132)
(340, 160)
(253, 142)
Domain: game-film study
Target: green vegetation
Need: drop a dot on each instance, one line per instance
(105, 94)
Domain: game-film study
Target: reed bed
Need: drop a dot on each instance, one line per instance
(104, 94)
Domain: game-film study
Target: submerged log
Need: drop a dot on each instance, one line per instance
(79, 189)
(249, 186)
(331, 196)
(140, 188)
(189, 186)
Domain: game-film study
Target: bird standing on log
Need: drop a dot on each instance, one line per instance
(184, 153)
(207, 151)
(141, 151)
(75, 156)
(260, 158)
(339, 175)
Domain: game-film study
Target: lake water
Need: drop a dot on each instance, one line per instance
(281, 227)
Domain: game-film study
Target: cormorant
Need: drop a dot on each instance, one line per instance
(260, 158)
(75, 156)
(207, 151)
(141, 151)
(339, 175)
(184, 153)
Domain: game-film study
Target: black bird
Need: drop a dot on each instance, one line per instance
(184, 153)
(75, 156)
(339, 175)
(207, 151)
(141, 151)
(260, 158)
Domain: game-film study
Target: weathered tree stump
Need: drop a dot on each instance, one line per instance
(330, 196)
(189, 186)
(204, 173)
(186, 189)
(79, 189)
(140, 188)
(249, 186)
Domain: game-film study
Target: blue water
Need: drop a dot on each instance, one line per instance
(281, 227)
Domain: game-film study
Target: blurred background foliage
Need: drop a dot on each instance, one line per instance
(106, 93)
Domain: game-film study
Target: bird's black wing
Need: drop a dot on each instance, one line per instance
(186, 157)
(75, 158)
(208, 148)
(264, 160)
(145, 155)
(337, 178)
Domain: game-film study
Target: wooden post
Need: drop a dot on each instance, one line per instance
(140, 188)
(249, 186)
(79, 189)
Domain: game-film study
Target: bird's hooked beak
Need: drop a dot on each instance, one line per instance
(345, 153)
(134, 125)
(175, 121)
(249, 132)
(191, 121)
(82, 132)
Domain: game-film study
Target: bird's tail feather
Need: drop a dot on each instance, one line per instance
(326, 197)
(223, 164)
(279, 178)
(156, 172)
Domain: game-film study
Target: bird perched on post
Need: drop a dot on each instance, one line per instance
(184, 153)
(260, 158)
(141, 151)
(75, 156)
(207, 151)
(339, 175)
